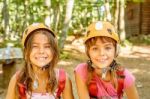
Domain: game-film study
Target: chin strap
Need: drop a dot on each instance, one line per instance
(111, 67)
(104, 72)
(45, 67)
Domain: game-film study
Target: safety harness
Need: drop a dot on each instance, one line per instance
(93, 88)
(61, 85)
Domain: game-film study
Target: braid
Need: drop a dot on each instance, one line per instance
(90, 71)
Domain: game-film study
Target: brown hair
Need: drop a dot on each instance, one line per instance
(26, 75)
(92, 42)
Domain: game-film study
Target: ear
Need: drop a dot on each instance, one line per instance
(86, 51)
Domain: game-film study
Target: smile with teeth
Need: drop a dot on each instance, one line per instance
(101, 60)
(41, 58)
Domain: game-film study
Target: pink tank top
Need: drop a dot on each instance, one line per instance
(82, 71)
(41, 96)
(60, 74)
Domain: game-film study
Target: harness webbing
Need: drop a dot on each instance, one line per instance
(61, 85)
(94, 90)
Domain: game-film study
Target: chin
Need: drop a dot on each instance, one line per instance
(102, 66)
(40, 65)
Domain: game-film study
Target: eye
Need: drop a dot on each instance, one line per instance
(94, 48)
(47, 46)
(34, 46)
(108, 47)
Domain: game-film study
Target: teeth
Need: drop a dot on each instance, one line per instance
(101, 60)
(41, 58)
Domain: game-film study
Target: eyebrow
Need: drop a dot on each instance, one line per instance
(104, 44)
(38, 43)
(108, 43)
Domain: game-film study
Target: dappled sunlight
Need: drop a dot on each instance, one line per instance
(138, 71)
(136, 52)
(65, 63)
(1, 70)
(135, 70)
(76, 45)
(129, 56)
(141, 54)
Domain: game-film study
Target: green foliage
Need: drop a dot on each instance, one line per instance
(137, 0)
(140, 40)
(13, 43)
(64, 55)
(126, 43)
(25, 12)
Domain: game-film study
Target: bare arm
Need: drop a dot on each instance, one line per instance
(67, 93)
(81, 88)
(11, 88)
(131, 92)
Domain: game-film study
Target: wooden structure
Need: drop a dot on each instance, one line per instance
(8, 55)
(137, 18)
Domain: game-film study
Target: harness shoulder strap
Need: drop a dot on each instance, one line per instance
(121, 76)
(93, 89)
(61, 82)
(21, 88)
(120, 73)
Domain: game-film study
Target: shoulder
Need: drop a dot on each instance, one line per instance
(60, 74)
(129, 79)
(82, 71)
(64, 82)
(81, 67)
(11, 87)
(13, 79)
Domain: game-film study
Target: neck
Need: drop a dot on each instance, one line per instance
(99, 72)
(41, 73)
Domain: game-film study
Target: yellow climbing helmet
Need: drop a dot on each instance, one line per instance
(31, 28)
(101, 28)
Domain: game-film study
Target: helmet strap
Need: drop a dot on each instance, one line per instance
(104, 72)
(45, 67)
(113, 65)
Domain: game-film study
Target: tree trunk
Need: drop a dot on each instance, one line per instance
(68, 16)
(6, 19)
(26, 2)
(116, 14)
(47, 18)
(122, 22)
(107, 9)
(56, 17)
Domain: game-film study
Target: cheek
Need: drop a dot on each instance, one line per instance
(92, 54)
(31, 54)
(49, 52)
(112, 53)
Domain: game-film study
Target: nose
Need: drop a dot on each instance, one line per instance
(41, 50)
(101, 52)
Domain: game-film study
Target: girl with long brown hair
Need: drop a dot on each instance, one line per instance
(39, 78)
(102, 77)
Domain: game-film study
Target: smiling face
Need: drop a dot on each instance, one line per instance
(41, 49)
(101, 51)
(41, 53)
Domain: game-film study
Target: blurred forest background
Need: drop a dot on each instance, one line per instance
(71, 17)
(69, 20)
